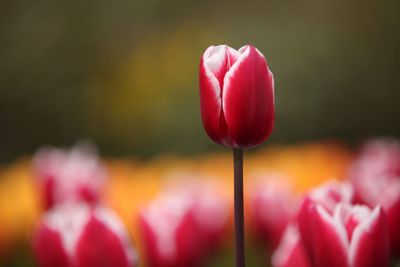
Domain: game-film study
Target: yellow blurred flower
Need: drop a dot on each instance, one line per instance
(19, 204)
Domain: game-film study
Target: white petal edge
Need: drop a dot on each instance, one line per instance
(273, 85)
(362, 228)
(335, 224)
(68, 221)
(245, 52)
(289, 241)
(164, 216)
(110, 219)
(211, 63)
(321, 193)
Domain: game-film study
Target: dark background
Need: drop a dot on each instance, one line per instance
(124, 73)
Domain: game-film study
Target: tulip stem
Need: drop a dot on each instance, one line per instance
(239, 210)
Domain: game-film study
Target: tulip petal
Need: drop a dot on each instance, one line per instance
(393, 219)
(100, 246)
(305, 227)
(169, 233)
(212, 70)
(328, 195)
(331, 193)
(247, 99)
(48, 248)
(329, 239)
(290, 252)
(216, 63)
(272, 208)
(370, 246)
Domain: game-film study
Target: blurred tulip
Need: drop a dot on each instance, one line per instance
(82, 236)
(69, 176)
(167, 233)
(211, 213)
(353, 236)
(183, 225)
(236, 96)
(375, 175)
(377, 158)
(272, 205)
(328, 195)
(291, 251)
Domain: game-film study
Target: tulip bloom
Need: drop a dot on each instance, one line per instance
(353, 236)
(82, 236)
(328, 195)
(168, 235)
(183, 225)
(211, 212)
(377, 158)
(272, 205)
(204, 200)
(236, 96)
(375, 175)
(69, 176)
(237, 109)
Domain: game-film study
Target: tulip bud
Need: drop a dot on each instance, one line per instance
(375, 176)
(236, 96)
(290, 252)
(82, 236)
(353, 236)
(69, 176)
(272, 205)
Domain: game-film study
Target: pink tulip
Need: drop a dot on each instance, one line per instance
(272, 205)
(69, 176)
(377, 158)
(167, 232)
(351, 236)
(375, 175)
(291, 251)
(211, 213)
(82, 236)
(236, 96)
(328, 195)
(183, 225)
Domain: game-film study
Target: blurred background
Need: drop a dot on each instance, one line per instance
(124, 73)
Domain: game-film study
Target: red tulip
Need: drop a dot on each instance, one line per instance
(328, 195)
(375, 175)
(377, 158)
(272, 204)
(69, 176)
(236, 96)
(183, 225)
(291, 251)
(167, 232)
(210, 211)
(353, 236)
(82, 236)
